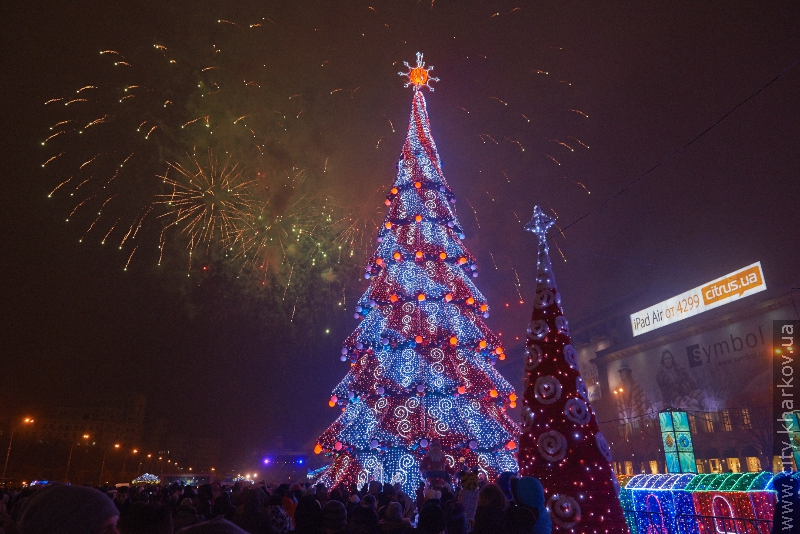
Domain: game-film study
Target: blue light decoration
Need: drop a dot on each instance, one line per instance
(422, 359)
(676, 437)
(660, 503)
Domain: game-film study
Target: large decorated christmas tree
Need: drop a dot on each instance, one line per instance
(422, 359)
(560, 443)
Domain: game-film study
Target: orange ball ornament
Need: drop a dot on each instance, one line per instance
(421, 297)
(493, 393)
(317, 448)
(453, 340)
(462, 390)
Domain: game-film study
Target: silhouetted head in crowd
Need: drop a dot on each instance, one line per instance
(493, 497)
(431, 519)
(334, 518)
(143, 518)
(68, 510)
(308, 516)
(455, 518)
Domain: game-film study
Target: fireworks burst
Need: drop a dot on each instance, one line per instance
(222, 148)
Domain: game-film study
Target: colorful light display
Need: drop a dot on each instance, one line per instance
(561, 443)
(422, 359)
(706, 503)
(146, 478)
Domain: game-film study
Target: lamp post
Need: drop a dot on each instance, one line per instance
(25, 421)
(125, 462)
(103, 465)
(69, 460)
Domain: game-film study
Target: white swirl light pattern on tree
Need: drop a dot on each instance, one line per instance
(552, 446)
(547, 389)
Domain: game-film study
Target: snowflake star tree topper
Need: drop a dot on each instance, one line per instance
(418, 76)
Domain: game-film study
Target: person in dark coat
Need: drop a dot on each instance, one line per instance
(308, 516)
(431, 518)
(490, 513)
(250, 516)
(223, 506)
(393, 521)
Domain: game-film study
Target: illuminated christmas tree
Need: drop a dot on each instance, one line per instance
(422, 358)
(560, 443)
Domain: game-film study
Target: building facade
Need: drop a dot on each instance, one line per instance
(716, 366)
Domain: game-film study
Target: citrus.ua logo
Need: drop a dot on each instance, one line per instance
(735, 284)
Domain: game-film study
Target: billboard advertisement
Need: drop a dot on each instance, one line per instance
(731, 287)
(702, 373)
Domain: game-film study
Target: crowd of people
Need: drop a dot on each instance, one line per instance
(512, 505)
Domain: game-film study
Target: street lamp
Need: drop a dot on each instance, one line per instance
(103, 465)
(125, 462)
(69, 460)
(25, 421)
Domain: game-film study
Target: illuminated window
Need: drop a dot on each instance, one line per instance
(628, 467)
(725, 419)
(714, 465)
(700, 468)
(753, 464)
(654, 467)
(707, 423)
(745, 415)
(693, 423)
(734, 465)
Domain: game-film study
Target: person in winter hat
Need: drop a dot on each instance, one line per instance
(69, 510)
(529, 493)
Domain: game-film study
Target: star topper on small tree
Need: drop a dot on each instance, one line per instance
(418, 76)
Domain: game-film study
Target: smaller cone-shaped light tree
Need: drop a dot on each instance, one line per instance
(422, 359)
(560, 443)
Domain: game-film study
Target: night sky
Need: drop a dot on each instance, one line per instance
(635, 82)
